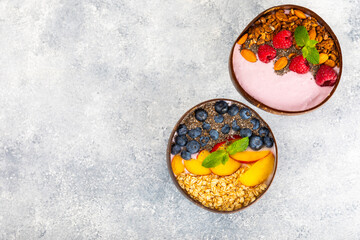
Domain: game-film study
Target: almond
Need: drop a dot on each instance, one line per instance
(323, 58)
(330, 63)
(280, 64)
(243, 39)
(312, 34)
(291, 55)
(300, 14)
(248, 55)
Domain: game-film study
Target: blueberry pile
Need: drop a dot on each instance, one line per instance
(189, 141)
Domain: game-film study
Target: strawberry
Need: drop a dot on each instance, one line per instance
(299, 65)
(266, 53)
(325, 76)
(283, 39)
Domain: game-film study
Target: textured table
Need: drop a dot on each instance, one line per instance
(90, 91)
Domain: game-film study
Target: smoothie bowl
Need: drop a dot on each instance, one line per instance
(222, 155)
(286, 61)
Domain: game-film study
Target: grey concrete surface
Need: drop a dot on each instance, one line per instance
(90, 91)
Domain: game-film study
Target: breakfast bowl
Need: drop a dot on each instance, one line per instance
(287, 61)
(222, 155)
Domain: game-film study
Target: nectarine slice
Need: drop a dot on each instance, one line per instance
(177, 165)
(229, 168)
(258, 172)
(250, 156)
(218, 146)
(195, 165)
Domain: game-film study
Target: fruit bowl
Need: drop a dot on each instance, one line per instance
(222, 155)
(287, 61)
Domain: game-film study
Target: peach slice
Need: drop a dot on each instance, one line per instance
(229, 168)
(195, 165)
(218, 146)
(249, 156)
(258, 172)
(177, 165)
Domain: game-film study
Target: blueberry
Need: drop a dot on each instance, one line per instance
(245, 113)
(201, 115)
(182, 129)
(181, 140)
(245, 132)
(221, 107)
(185, 155)
(175, 149)
(225, 129)
(268, 142)
(204, 141)
(193, 146)
(219, 118)
(194, 133)
(255, 122)
(233, 110)
(214, 134)
(255, 142)
(234, 126)
(263, 132)
(206, 126)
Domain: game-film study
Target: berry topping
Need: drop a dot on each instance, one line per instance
(255, 122)
(219, 118)
(206, 126)
(233, 110)
(325, 76)
(255, 142)
(204, 140)
(185, 155)
(245, 113)
(175, 149)
(268, 142)
(245, 132)
(221, 107)
(263, 132)
(214, 134)
(225, 129)
(194, 133)
(201, 115)
(283, 39)
(299, 65)
(193, 146)
(235, 126)
(181, 140)
(182, 130)
(266, 53)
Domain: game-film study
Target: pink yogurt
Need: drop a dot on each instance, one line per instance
(289, 92)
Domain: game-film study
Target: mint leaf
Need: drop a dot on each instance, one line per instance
(313, 56)
(214, 159)
(238, 146)
(311, 43)
(305, 52)
(301, 36)
(225, 159)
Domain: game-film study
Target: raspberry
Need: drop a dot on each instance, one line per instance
(283, 39)
(299, 65)
(266, 53)
(325, 76)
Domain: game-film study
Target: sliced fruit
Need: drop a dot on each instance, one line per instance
(177, 165)
(218, 146)
(249, 156)
(229, 168)
(258, 172)
(195, 165)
